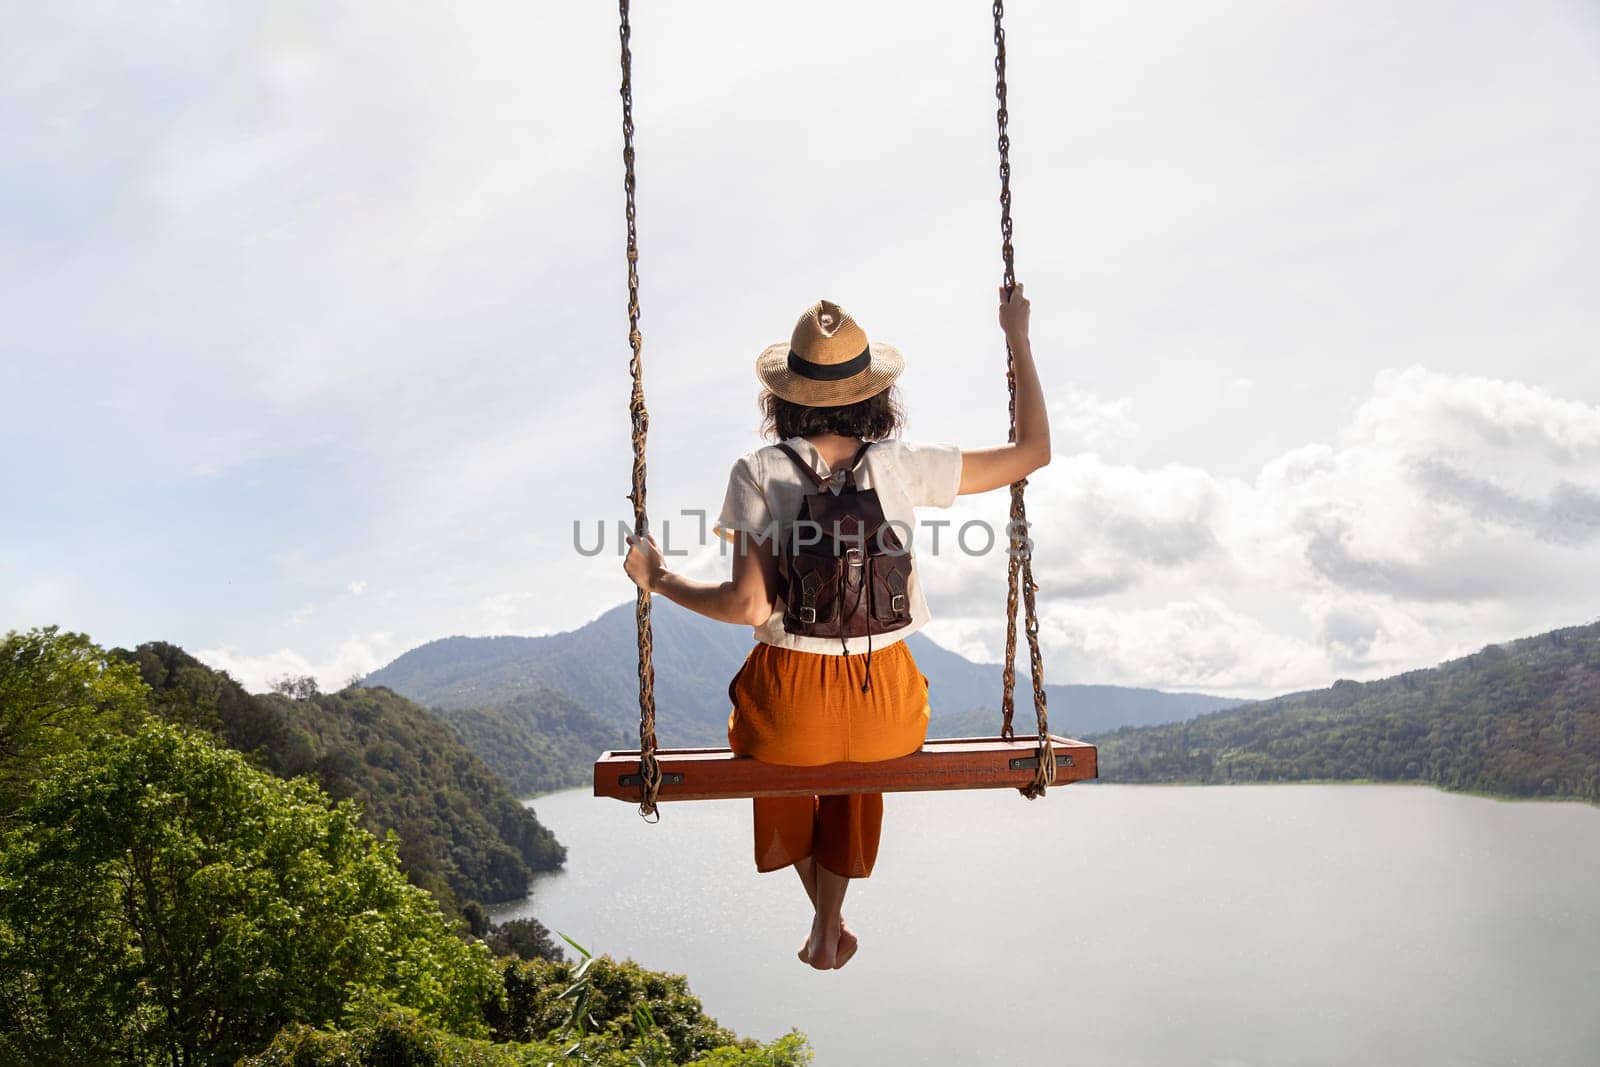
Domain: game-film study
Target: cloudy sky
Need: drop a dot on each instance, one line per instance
(313, 338)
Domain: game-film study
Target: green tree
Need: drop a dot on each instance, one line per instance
(162, 901)
(463, 835)
(382, 1035)
(539, 1006)
(526, 939)
(56, 690)
(297, 687)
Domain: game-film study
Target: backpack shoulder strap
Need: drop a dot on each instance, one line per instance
(817, 479)
(855, 462)
(799, 461)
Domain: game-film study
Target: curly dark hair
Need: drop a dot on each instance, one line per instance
(872, 419)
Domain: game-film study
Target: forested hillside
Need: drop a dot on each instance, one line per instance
(463, 834)
(538, 742)
(164, 902)
(1522, 719)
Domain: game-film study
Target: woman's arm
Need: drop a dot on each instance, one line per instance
(983, 469)
(747, 598)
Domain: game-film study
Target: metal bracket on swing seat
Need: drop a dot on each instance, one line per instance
(1031, 763)
(634, 781)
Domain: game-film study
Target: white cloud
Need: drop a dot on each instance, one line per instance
(357, 587)
(1199, 644)
(1099, 527)
(355, 655)
(1452, 509)
(1415, 411)
(1081, 418)
(1376, 635)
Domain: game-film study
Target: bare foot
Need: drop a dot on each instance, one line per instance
(847, 946)
(848, 943)
(822, 951)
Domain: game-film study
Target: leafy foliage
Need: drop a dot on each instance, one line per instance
(393, 1037)
(385, 1034)
(526, 939)
(165, 900)
(539, 1002)
(598, 992)
(463, 834)
(1521, 719)
(595, 1012)
(56, 691)
(297, 687)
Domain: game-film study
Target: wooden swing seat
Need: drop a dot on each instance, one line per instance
(943, 763)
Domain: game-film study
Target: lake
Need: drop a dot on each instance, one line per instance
(1128, 925)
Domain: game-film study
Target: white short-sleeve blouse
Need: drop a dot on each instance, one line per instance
(765, 490)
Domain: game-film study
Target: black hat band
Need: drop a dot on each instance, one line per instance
(830, 372)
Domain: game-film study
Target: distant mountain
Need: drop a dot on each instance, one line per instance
(594, 667)
(463, 834)
(511, 698)
(1520, 718)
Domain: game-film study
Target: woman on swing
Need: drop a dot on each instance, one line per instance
(805, 700)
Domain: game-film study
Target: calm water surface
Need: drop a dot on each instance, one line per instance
(1106, 924)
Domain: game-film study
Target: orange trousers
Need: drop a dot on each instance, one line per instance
(805, 709)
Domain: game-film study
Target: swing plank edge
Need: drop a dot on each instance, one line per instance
(943, 763)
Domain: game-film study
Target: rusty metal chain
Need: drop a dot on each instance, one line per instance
(1019, 556)
(649, 769)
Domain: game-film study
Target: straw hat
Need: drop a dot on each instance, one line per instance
(828, 361)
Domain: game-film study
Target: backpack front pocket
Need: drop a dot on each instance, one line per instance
(812, 601)
(891, 591)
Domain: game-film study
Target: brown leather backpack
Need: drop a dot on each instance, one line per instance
(844, 569)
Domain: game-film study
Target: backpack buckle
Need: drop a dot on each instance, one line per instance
(897, 603)
(808, 615)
